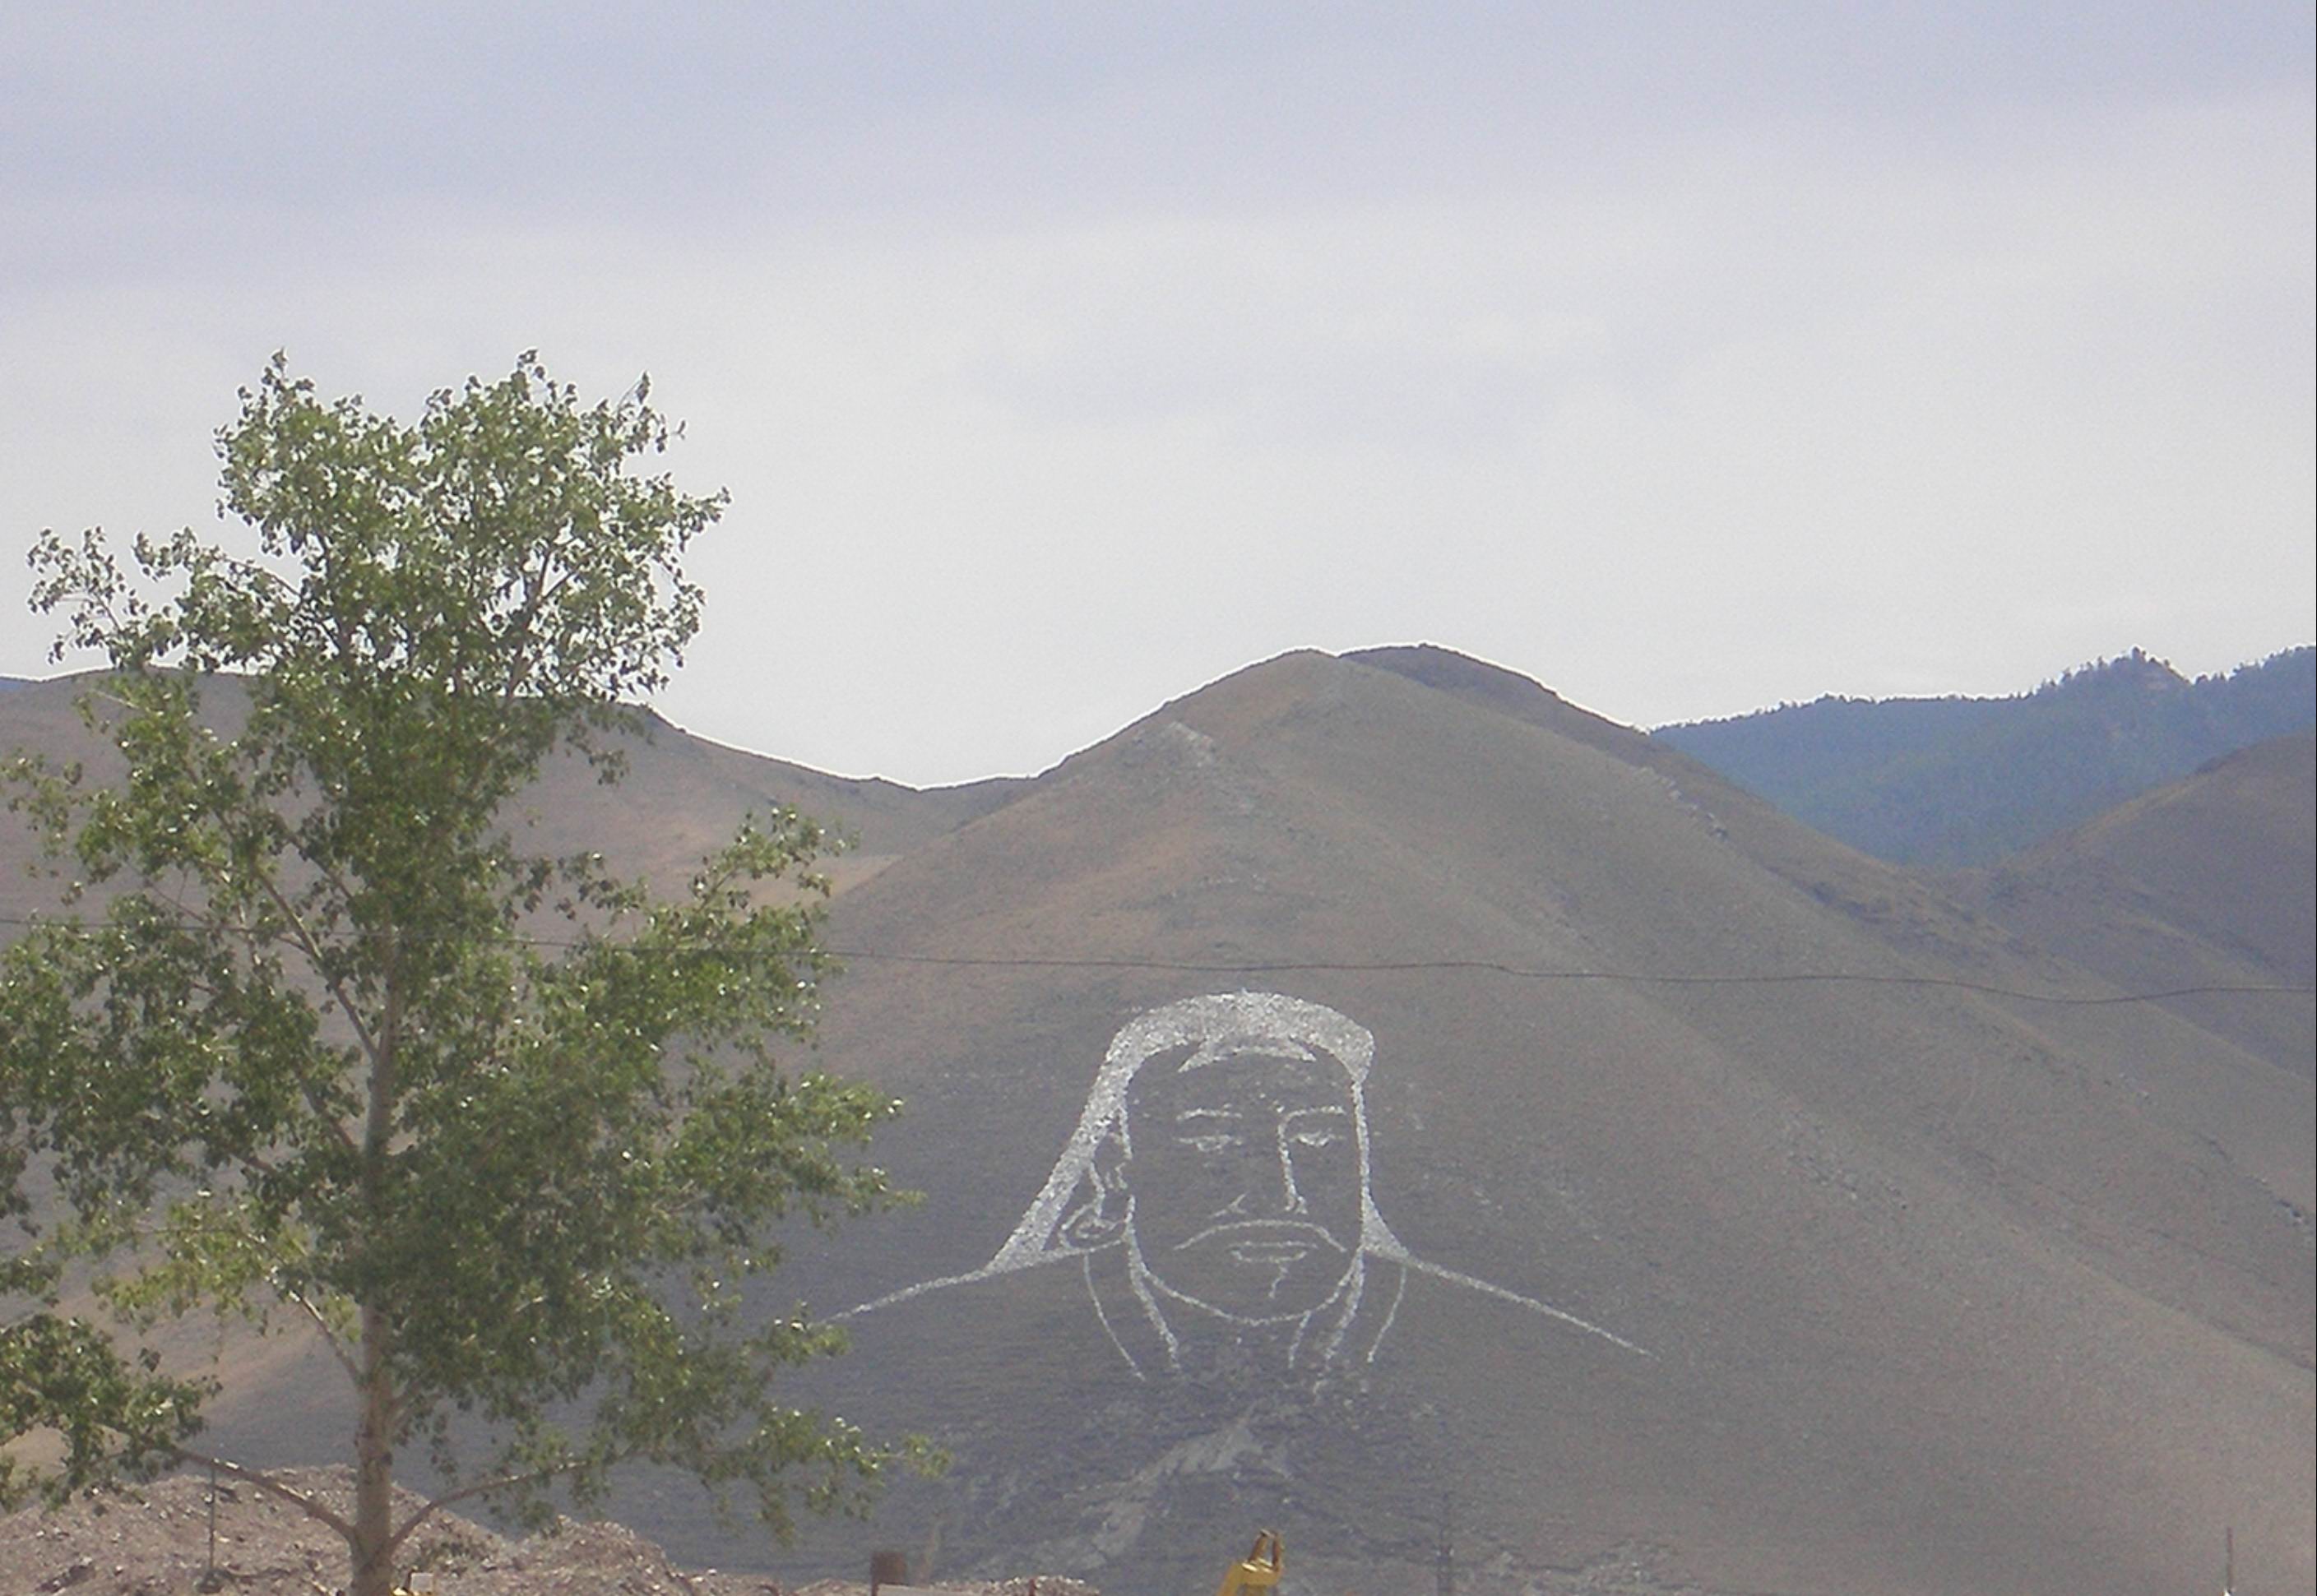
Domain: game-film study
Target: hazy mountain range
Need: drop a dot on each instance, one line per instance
(1371, 1098)
(1964, 781)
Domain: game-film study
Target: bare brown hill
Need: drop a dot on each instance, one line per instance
(2209, 881)
(2204, 884)
(682, 795)
(1938, 1289)
(1400, 1112)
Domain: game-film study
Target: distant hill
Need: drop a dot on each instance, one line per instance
(681, 798)
(2208, 881)
(1964, 781)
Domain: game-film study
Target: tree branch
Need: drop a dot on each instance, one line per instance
(313, 952)
(310, 1506)
(329, 1336)
(298, 938)
(504, 1483)
(338, 995)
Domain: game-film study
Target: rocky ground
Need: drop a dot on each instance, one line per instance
(154, 1541)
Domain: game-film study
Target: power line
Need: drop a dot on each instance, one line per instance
(1405, 966)
(1519, 972)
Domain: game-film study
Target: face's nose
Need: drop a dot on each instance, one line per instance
(1266, 1176)
(1278, 1189)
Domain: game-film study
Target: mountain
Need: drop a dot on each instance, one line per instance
(682, 795)
(2208, 881)
(1372, 1099)
(1964, 781)
(1936, 1289)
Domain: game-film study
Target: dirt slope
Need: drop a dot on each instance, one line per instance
(683, 796)
(182, 1534)
(1706, 1224)
(1941, 1290)
(2209, 881)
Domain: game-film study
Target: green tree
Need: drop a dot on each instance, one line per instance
(318, 1039)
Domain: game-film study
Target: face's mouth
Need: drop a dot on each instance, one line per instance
(1277, 1242)
(1263, 1268)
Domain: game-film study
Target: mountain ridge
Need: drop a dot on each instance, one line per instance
(1960, 780)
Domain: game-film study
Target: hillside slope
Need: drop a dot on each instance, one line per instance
(2208, 881)
(1936, 1289)
(682, 795)
(2235, 864)
(1608, 1177)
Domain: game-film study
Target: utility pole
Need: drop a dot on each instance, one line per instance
(209, 1581)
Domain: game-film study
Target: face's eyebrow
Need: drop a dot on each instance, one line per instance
(1207, 1114)
(1335, 1110)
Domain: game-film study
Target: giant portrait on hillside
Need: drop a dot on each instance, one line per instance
(1217, 1188)
(1202, 1317)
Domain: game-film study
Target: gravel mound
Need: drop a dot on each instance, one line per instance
(154, 1540)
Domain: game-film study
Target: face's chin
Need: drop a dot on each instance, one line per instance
(1255, 1271)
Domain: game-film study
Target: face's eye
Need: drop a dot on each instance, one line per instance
(1210, 1142)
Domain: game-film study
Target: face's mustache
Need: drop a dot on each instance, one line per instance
(1264, 1230)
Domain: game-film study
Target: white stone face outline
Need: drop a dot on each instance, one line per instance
(1079, 1211)
(1246, 1179)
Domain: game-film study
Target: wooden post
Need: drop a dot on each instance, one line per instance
(209, 1581)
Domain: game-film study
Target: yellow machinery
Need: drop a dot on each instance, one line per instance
(1260, 1569)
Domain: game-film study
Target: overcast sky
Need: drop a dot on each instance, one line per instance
(1061, 357)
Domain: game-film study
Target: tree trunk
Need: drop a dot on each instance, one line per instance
(374, 1548)
(373, 1558)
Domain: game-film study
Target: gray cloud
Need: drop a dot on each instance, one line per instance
(1060, 359)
